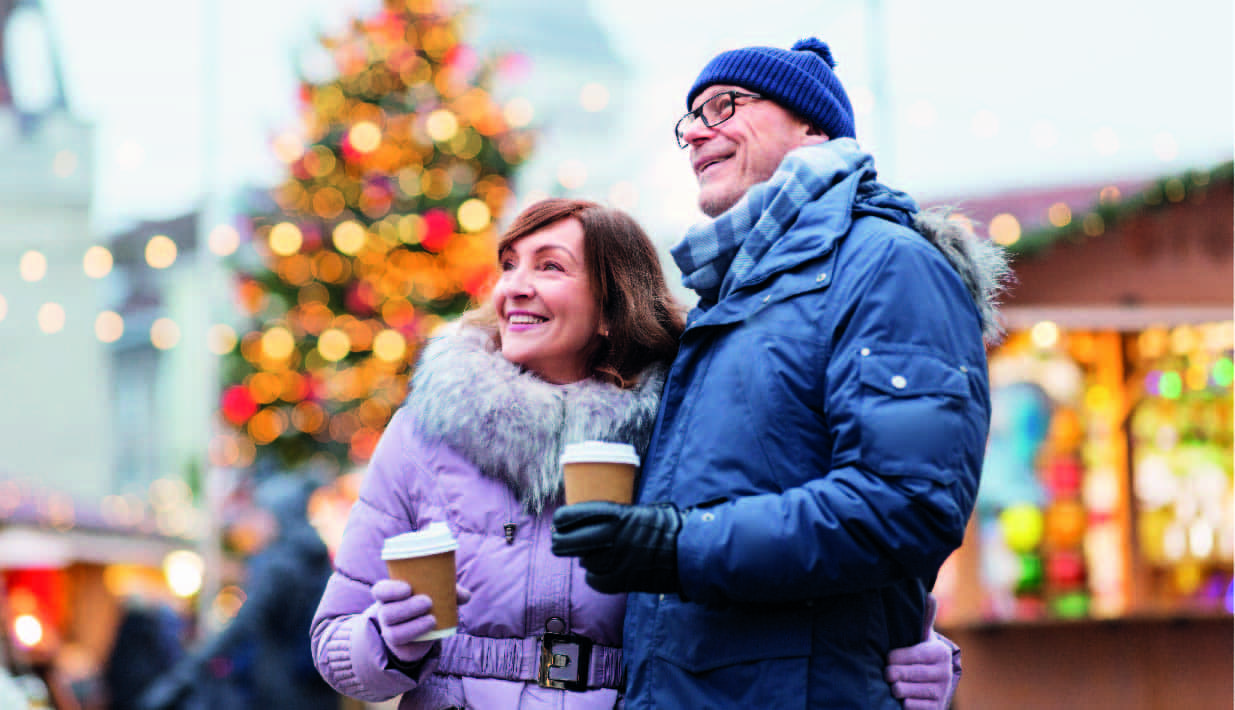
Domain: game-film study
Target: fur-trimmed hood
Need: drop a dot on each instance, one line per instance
(982, 264)
(510, 423)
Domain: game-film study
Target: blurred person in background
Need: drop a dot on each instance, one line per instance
(822, 428)
(148, 644)
(573, 345)
(284, 581)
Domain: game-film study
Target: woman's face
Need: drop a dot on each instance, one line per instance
(548, 317)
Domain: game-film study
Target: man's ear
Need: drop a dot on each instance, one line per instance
(814, 136)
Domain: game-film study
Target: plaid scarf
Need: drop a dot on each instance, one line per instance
(716, 256)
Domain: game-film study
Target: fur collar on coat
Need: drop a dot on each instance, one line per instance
(511, 424)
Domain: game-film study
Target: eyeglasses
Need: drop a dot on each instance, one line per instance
(713, 112)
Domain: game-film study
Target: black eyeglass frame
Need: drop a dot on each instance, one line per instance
(689, 116)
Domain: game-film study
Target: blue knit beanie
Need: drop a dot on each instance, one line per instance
(799, 79)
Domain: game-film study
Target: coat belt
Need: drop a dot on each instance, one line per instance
(519, 658)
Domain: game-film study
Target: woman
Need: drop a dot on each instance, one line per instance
(571, 346)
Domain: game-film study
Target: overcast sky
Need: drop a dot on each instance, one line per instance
(976, 96)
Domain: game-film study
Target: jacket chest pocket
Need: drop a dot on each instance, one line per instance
(913, 413)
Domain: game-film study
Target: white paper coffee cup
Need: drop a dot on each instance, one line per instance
(599, 470)
(425, 559)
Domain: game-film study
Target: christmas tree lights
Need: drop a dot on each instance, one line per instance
(384, 228)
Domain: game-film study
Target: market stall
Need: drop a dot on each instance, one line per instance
(1099, 558)
(67, 569)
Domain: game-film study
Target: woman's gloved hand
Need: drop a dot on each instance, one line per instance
(402, 616)
(924, 676)
(624, 548)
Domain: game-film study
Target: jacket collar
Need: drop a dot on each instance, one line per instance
(511, 424)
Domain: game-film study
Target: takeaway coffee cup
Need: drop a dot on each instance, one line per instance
(425, 559)
(599, 470)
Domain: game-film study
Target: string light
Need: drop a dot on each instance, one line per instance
(1005, 229)
(97, 262)
(108, 326)
(51, 318)
(160, 252)
(32, 266)
(164, 334)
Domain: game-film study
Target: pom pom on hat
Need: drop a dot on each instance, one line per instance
(798, 79)
(817, 46)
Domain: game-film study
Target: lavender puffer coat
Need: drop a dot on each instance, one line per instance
(477, 446)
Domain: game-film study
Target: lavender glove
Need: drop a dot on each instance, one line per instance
(402, 616)
(924, 676)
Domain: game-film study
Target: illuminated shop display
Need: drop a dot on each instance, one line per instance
(1107, 486)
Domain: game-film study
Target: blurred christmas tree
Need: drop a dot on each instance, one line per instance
(384, 228)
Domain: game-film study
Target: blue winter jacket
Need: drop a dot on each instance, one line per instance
(825, 426)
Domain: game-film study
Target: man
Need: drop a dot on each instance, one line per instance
(821, 431)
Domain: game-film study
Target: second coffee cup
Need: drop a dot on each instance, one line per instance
(425, 559)
(599, 470)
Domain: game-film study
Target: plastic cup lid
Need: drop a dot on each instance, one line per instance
(600, 452)
(435, 538)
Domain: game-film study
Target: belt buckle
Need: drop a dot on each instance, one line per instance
(564, 661)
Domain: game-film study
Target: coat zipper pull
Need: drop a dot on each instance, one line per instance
(509, 529)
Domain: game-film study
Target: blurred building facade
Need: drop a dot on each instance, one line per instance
(77, 532)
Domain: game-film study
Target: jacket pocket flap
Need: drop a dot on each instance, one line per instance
(912, 375)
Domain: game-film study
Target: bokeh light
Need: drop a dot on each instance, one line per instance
(184, 571)
(365, 136)
(164, 334)
(278, 343)
(160, 252)
(333, 344)
(51, 317)
(474, 215)
(28, 630)
(33, 266)
(97, 262)
(108, 326)
(285, 239)
(441, 125)
(389, 345)
(1005, 229)
(349, 237)
(1044, 334)
(1059, 214)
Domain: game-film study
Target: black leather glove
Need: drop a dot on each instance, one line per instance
(624, 548)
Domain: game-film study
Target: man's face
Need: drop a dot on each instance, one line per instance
(743, 151)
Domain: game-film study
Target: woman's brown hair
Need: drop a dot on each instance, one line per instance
(642, 317)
